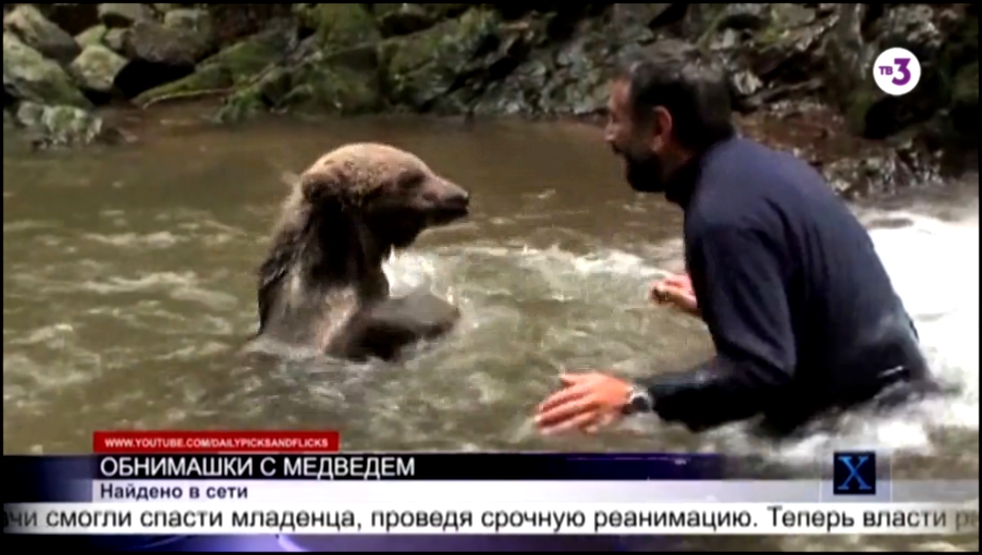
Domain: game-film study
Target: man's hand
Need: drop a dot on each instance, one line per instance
(586, 402)
(676, 290)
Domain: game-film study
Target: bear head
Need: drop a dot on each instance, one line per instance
(345, 215)
(393, 193)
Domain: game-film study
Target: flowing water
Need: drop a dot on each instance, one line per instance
(128, 286)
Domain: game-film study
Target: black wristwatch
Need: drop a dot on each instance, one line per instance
(640, 401)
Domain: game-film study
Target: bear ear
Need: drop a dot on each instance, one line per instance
(323, 185)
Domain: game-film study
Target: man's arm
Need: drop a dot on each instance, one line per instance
(743, 301)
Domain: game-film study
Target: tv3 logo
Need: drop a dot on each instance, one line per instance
(897, 71)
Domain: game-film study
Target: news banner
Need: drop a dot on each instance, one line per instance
(297, 483)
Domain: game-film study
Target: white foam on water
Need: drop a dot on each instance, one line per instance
(934, 266)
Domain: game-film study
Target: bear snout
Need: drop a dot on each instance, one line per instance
(448, 201)
(457, 199)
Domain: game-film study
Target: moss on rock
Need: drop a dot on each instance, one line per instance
(91, 36)
(403, 18)
(244, 104)
(422, 67)
(319, 84)
(230, 67)
(333, 88)
(339, 26)
(27, 75)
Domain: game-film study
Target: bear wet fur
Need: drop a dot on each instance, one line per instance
(322, 283)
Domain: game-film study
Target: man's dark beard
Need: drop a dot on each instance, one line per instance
(644, 173)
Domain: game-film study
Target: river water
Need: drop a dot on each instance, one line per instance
(128, 286)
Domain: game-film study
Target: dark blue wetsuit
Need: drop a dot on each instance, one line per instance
(801, 310)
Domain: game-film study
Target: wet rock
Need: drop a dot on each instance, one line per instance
(780, 60)
(854, 167)
(233, 66)
(34, 30)
(553, 59)
(791, 16)
(339, 26)
(63, 126)
(116, 16)
(115, 39)
(151, 42)
(194, 21)
(95, 69)
(848, 56)
(644, 15)
(27, 75)
(568, 79)
(337, 72)
(700, 22)
(158, 55)
(236, 21)
(163, 9)
(90, 36)
(744, 16)
(403, 19)
(72, 18)
(344, 82)
(423, 67)
(314, 81)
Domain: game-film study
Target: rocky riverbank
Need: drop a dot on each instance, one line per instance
(801, 73)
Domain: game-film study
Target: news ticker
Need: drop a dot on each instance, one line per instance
(426, 518)
(590, 491)
(855, 472)
(846, 477)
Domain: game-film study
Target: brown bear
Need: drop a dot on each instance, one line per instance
(322, 284)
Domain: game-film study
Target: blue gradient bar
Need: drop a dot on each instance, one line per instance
(64, 479)
(357, 544)
(409, 466)
(48, 479)
(426, 466)
(173, 544)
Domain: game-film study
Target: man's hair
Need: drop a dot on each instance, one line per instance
(695, 91)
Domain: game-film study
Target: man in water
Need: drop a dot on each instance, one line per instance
(802, 313)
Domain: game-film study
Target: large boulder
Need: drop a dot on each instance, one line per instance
(403, 19)
(314, 81)
(423, 67)
(93, 35)
(36, 31)
(235, 21)
(96, 68)
(154, 43)
(334, 70)
(568, 77)
(232, 66)
(63, 126)
(158, 55)
(115, 39)
(338, 26)
(73, 18)
(124, 15)
(196, 22)
(27, 75)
